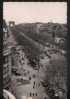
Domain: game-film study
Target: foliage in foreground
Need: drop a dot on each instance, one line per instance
(56, 76)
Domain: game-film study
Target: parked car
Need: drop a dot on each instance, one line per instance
(23, 80)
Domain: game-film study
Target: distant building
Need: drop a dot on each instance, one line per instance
(38, 26)
(6, 59)
(11, 23)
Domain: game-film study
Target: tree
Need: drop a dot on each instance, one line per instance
(56, 76)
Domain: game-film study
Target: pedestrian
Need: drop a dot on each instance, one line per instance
(39, 84)
(33, 94)
(44, 97)
(33, 86)
(36, 94)
(29, 78)
(34, 82)
(30, 93)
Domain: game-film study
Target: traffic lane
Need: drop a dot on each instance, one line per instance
(22, 89)
(25, 90)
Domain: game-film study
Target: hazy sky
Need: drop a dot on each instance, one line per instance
(35, 12)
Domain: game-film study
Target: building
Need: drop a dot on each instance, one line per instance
(6, 59)
(11, 23)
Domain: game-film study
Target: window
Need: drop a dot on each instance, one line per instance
(4, 59)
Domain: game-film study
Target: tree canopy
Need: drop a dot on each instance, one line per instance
(56, 74)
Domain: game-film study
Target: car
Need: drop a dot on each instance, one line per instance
(15, 71)
(34, 76)
(47, 44)
(23, 80)
(35, 68)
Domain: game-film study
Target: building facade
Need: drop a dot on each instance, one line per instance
(6, 59)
